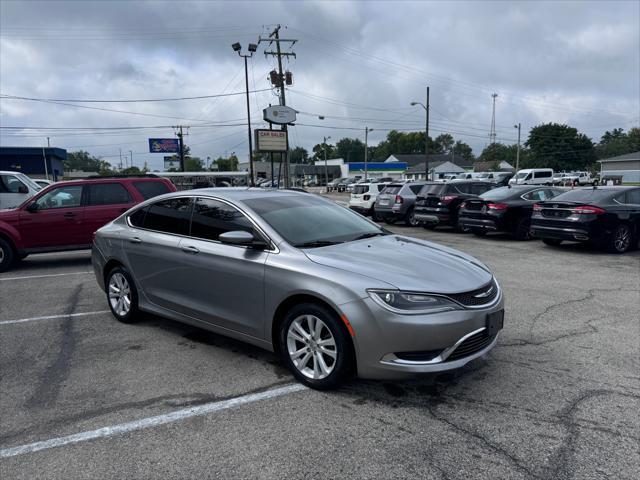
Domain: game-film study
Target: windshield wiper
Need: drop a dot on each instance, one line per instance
(369, 235)
(316, 243)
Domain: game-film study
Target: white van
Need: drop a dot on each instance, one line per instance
(533, 176)
(15, 188)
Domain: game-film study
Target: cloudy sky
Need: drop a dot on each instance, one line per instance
(357, 64)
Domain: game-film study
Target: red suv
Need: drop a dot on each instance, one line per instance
(64, 215)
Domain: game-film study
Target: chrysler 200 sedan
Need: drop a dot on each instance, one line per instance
(330, 291)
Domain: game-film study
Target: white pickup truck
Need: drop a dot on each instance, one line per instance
(579, 178)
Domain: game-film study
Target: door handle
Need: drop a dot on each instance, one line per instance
(190, 249)
(135, 240)
(69, 215)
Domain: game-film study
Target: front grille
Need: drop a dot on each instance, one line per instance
(471, 345)
(471, 299)
(423, 356)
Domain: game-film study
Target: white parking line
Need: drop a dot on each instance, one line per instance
(51, 317)
(6, 279)
(150, 421)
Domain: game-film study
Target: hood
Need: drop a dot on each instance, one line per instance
(407, 263)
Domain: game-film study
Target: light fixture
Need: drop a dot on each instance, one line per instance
(236, 47)
(253, 47)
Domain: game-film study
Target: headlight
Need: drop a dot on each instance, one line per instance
(411, 303)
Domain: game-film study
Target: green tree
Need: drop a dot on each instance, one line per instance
(131, 171)
(494, 152)
(560, 147)
(85, 162)
(404, 143)
(318, 151)
(617, 142)
(351, 149)
(299, 155)
(193, 164)
(227, 164)
(444, 142)
(461, 149)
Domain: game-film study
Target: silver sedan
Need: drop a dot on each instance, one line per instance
(331, 292)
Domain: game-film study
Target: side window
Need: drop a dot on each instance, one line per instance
(170, 216)
(11, 184)
(551, 193)
(137, 217)
(462, 188)
(479, 188)
(108, 194)
(534, 196)
(633, 197)
(380, 187)
(545, 174)
(151, 189)
(415, 188)
(212, 218)
(61, 197)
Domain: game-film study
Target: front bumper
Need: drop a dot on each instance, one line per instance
(382, 338)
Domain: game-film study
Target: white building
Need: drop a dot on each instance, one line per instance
(627, 166)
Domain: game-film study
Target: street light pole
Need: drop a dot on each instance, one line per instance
(326, 169)
(426, 136)
(518, 152)
(252, 48)
(366, 150)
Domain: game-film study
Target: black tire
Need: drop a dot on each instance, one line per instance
(7, 255)
(552, 242)
(410, 219)
(522, 231)
(375, 216)
(621, 239)
(390, 220)
(344, 364)
(132, 315)
(480, 232)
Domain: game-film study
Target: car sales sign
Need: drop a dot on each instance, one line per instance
(271, 141)
(164, 145)
(280, 114)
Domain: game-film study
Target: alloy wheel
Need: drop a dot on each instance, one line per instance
(622, 238)
(1, 255)
(119, 294)
(311, 346)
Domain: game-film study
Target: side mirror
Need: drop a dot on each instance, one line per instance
(32, 207)
(23, 189)
(241, 237)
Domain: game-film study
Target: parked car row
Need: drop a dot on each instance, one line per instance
(64, 216)
(608, 217)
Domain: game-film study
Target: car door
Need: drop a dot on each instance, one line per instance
(54, 219)
(104, 202)
(226, 281)
(152, 248)
(12, 191)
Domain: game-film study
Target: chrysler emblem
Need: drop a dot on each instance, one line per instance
(484, 294)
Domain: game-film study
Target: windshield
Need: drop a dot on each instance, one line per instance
(28, 181)
(432, 189)
(308, 222)
(483, 175)
(392, 189)
(522, 174)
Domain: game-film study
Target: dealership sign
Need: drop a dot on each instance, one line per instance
(280, 114)
(271, 141)
(164, 145)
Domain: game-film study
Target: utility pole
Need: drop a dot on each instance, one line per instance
(252, 48)
(492, 134)
(44, 157)
(366, 151)
(326, 169)
(120, 150)
(48, 144)
(275, 37)
(180, 135)
(131, 155)
(517, 152)
(426, 141)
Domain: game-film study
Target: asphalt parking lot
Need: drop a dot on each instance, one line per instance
(83, 396)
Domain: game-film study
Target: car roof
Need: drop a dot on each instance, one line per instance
(239, 193)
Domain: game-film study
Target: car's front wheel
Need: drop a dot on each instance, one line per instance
(122, 296)
(316, 347)
(620, 239)
(7, 255)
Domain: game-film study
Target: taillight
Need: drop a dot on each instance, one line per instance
(497, 206)
(448, 198)
(366, 197)
(587, 209)
(537, 207)
(399, 199)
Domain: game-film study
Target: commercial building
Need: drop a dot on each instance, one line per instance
(36, 162)
(439, 165)
(627, 166)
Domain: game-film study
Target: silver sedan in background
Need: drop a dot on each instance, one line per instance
(333, 293)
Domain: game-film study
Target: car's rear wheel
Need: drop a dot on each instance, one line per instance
(389, 220)
(552, 242)
(620, 239)
(374, 215)
(122, 296)
(7, 255)
(410, 219)
(522, 230)
(315, 346)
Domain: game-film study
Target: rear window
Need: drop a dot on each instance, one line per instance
(498, 193)
(415, 189)
(151, 189)
(392, 189)
(587, 196)
(433, 189)
(108, 194)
